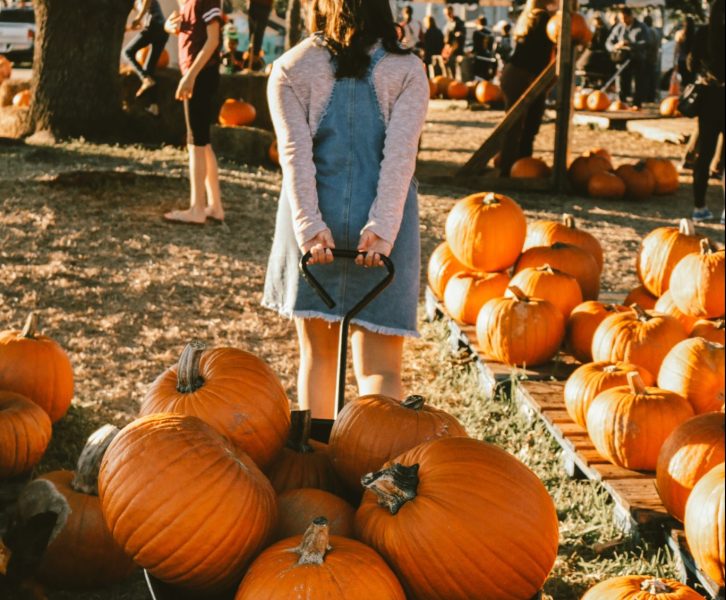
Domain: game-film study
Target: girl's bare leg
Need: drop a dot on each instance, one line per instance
(197, 174)
(377, 361)
(318, 340)
(214, 195)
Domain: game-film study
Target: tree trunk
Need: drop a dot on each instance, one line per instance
(293, 23)
(76, 86)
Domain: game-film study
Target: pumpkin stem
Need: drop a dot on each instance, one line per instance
(518, 293)
(687, 227)
(640, 311)
(490, 198)
(636, 383)
(611, 369)
(299, 431)
(568, 220)
(414, 402)
(547, 268)
(706, 246)
(85, 480)
(188, 378)
(394, 485)
(314, 543)
(656, 586)
(31, 326)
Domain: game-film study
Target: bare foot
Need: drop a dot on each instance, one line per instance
(146, 83)
(216, 214)
(184, 217)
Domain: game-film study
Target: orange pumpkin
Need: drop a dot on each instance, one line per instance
(22, 99)
(373, 429)
(666, 306)
(511, 546)
(691, 451)
(232, 390)
(442, 84)
(6, 68)
(237, 113)
(297, 508)
(488, 93)
(617, 106)
(520, 330)
(584, 167)
(669, 107)
(467, 292)
(35, 366)
(457, 90)
(568, 259)
(24, 434)
(142, 55)
(163, 452)
(637, 336)
(713, 331)
(639, 181)
(605, 185)
(486, 232)
(582, 324)
(661, 250)
(433, 89)
(546, 233)
(442, 267)
(581, 34)
(642, 297)
(530, 168)
(549, 284)
(705, 524)
(603, 153)
(579, 101)
(641, 587)
(694, 369)
(589, 380)
(274, 153)
(665, 173)
(598, 101)
(629, 424)
(318, 565)
(698, 283)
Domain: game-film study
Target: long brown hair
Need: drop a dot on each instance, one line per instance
(350, 27)
(529, 16)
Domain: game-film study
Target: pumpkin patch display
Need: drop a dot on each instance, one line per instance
(666, 306)
(642, 297)
(605, 185)
(691, 451)
(163, 452)
(638, 179)
(584, 167)
(486, 232)
(318, 565)
(711, 330)
(232, 390)
(420, 508)
(694, 368)
(665, 173)
(236, 113)
(467, 292)
(374, 429)
(549, 284)
(443, 265)
(628, 425)
(546, 233)
(698, 283)
(25, 432)
(35, 366)
(530, 168)
(520, 330)
(641, 587)
(582, 324)
(295, 508)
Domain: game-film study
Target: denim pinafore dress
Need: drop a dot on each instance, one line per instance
(347, 152)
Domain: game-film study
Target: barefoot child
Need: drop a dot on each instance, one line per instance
(198, 26)
(149, 22)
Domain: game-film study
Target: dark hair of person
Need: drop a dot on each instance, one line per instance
(648, 20)
(627, 11)
(408, 9)
(349, 28)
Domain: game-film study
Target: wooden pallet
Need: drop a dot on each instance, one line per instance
(689, 572)
(617, 120)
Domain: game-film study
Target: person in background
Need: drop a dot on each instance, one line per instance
(628, 41)
(149, 22)
(532, 54)
(433, 39)
(485, 65)
(411, 29)
(199, 26)
(258, 15)
(651, 67)
(232, 57)
(503, 46)
(595, 60)
(454, 37)
(684, 40)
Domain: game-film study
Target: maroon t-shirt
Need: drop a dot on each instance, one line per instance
(196, 15)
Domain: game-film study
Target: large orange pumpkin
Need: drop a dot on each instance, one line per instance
(297, 508)
(162, 63)
(546, 233)
(457, 516)
(581, 33)
(641, 587)
(705, 524)
(669, 107)
(467, 292)
(666, 306)
(457, 90)
(637, 336)
(24, 434)
(486, 232)
(587, 381)
(374, 429)
(582, 324)
(36, 366)
(642, 297)
(584, 167)
(660, 252)
(639, 181)
(569, 259)
(629, 424)
(691, 451)
(598, 101)
(549, 284)
(694, 368)
(665, 173)
(232, 390)
(530, 168)
(605, 185)
(698, 283)
(183, 503)
(713, 331)
(488, 93)
(236, 113)
(520, 330)
(317, 565)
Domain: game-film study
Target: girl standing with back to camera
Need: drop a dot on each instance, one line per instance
(348, 105)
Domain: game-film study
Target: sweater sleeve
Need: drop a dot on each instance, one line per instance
(399, 155)
(295, 145)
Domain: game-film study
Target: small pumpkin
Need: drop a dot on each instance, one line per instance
(694, 368)
(605, 185)
(488, 93)
(530, 168)
(642, 297)
(691, 451)
(520, 330)
(666, 306)
(318, 565)
(698, 283)
(598, 101)
(35, 366)
(579, 100)
(637, 336)
(584, 167)
(442, 84)
(669, 107)
(467, 292)
(705, 524)
(639, 181)
(546, 233)
(589, 380)
(665, 173)
(433, 90)
(549, 284)
(142, 55)
(617, 106)
(582, 324)
(581, 33)
(6, 68)
(237, 113)
(22, 99)
(602, 152)
(486, 232)
(629, 424)
(443, 265)
(273, 153)
(457, 90)
(641, 587)
(25, 432)
(713, 331)
(295, 508)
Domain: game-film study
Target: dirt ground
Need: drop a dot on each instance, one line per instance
(82, 244)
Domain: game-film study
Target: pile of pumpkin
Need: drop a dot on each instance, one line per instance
(599, 101)
(217, 487)
(483, 92)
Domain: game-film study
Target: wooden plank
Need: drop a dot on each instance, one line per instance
(673, 131)
(565, 84)
(606, 471)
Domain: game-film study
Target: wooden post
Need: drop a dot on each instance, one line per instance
(565, 78)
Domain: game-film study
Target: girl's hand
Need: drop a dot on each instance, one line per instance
(374, 247)
(185, 88)
(320, 247)
(173, 23)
